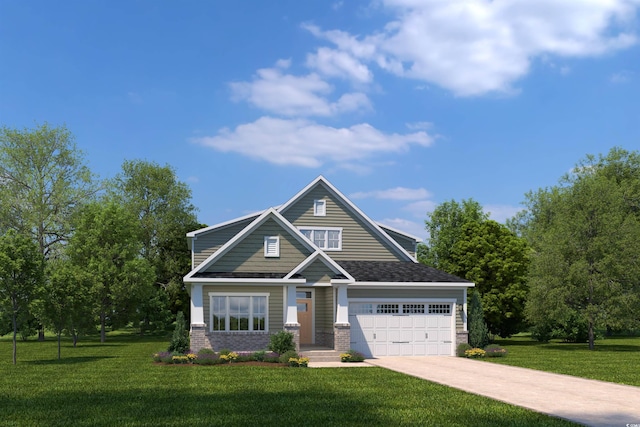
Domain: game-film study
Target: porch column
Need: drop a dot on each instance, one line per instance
(197, 331)
(292, 307)
(197, 310)
(291, 322)
(342, 312)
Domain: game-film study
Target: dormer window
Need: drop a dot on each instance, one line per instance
(329, 239)
(271, 246)
(319, 208)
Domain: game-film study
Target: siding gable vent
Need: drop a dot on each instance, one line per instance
(271, 246)
(319, 208)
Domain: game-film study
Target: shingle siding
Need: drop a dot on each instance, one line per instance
(359, 242)
(248, 254)
(207, 243)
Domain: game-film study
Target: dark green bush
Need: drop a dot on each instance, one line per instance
(462, 347)
(494, 350)
(284, 357)
(180, 339)
(281, 342)
(224, 352)
(259, 355)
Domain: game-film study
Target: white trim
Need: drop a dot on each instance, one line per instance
(239, 294)
(409, 300)
(425, 285)
(320, 207)
(327, 230)
(195, 233)
(241, 281)
(453, 314)
(335, 267)
(224, 249)
(272, 246)
(376, 229)
(402, 233)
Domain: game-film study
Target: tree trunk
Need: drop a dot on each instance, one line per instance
(59, 334)
(40, 333)
(15, 335)
(592, 337)
(103, 334)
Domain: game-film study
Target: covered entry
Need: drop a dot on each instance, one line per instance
(402, 328)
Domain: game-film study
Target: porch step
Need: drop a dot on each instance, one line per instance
(324, 355)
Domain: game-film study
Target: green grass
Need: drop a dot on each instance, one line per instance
(614, 359)
(117, 384)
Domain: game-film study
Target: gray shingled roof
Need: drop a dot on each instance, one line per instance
(396, 271)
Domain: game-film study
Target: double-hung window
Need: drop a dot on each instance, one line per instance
(324, 238)
(238, 312)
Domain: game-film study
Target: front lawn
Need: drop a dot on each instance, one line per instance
(117, 384)
(614, 359)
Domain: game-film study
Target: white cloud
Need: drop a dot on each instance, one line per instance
(412, 227)
(481, 46)
(306, 143)
(290, 95)
(621, 77)
(501, 213)
(398, 193)
(336, 63)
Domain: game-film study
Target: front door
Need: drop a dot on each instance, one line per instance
(305, 316)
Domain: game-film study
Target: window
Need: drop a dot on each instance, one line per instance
(319, 208)
(238, 312)
(439, 309)
(387, 309)
(324, 238)
(271, 246)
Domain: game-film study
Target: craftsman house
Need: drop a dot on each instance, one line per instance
(318, 267)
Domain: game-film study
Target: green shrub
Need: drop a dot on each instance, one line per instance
(291, 354)
(462, 347)
(205, 350)
(224, 352)
(180, 339)
(281, 342)
(494, 350)
(351, 356)
(478, 330)
(259, 355)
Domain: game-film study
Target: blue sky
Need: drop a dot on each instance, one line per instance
(401, 104)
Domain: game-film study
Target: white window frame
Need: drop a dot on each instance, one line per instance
(227, 323)
(320, 207)
(267, 252)
(325, 245)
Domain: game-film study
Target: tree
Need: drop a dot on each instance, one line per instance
(445, 226)
(43, 178)
(106, 243)
(162, 205)
(496, 260)
(478, 331)
(65, 301)
(180, 339)
(586, 237)
(21, 274)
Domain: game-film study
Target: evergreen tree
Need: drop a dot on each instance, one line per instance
(478, 331)
(180, 339)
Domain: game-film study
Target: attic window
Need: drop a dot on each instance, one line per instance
(271, 246)
(319, 207)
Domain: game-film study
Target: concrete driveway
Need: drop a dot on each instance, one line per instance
(589, 402)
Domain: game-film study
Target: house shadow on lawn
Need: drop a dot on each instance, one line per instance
(68, 360)
(257, 407)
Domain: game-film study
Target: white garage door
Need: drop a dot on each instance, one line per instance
(401, 329)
